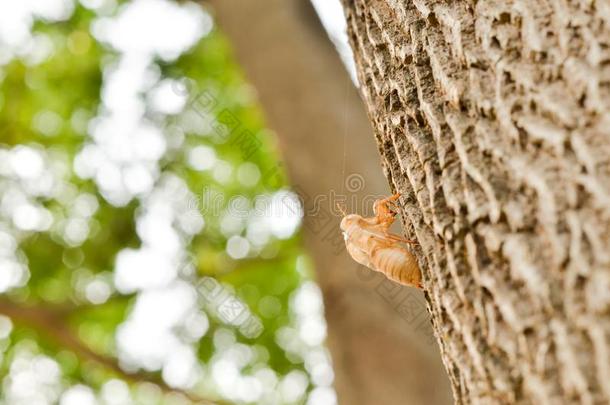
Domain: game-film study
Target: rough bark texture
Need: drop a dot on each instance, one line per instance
(379, 334)
(493, 120)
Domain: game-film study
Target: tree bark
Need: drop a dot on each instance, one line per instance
(379, 335)
(493, 120)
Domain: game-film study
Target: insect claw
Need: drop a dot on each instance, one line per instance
(393, 204)
(342, 209)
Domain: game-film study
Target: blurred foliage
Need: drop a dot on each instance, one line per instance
(48, 106)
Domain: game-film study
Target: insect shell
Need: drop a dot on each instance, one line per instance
(369, 242)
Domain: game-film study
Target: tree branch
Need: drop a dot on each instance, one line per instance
(53, 324)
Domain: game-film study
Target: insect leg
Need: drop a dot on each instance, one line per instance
(384, 213)
(397, 238)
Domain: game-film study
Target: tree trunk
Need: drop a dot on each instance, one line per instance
(493, 120)
(379, 334)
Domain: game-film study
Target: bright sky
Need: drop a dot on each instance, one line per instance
(333, 19)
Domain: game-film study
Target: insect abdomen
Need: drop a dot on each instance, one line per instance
(397, 264)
